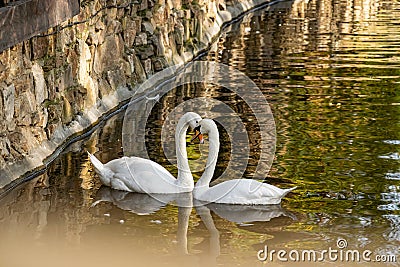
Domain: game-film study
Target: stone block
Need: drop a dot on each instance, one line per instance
(145, 52)
(129, 31)
(111, 13)
(138, 67)
(104, 87)
(141, 39)
(116, 78)
(67, 114)
(159, 64)
(24, 108)
(18, 144)
(114, 27)
(39, 84)
(143, 5)
(147, 26)
(108, 54)
(158, 47)
(9, 102)
(93, 39)
(148, 68)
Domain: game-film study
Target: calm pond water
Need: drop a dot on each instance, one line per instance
(330, 71)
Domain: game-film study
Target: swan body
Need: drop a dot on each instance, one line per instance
(244, 192)
(237, 191)
(141, 175)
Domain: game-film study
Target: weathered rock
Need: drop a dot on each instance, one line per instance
(9, 102)
(67, 114)
(18, 144)
(24, 107)
(116, 78)
(141, 39)
(145, 52)
(159, 64)
(108, 54)
(148, 27)
(129, 33)
(143, 5)
(93, 39)
(159, 49)
(138, 67)
(148, 68)
(114, 27)
(104, 88)
(100, 30)
(111, 13)
(40, 84)
(84, 78)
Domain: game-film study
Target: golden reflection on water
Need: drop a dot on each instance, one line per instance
(330, 71)
(44, 228)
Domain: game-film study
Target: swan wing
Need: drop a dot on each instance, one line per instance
(244, 192)
(141, 175)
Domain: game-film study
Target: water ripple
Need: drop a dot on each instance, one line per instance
(393, 176)
(394, 155)
(389, 207)
(392, 142)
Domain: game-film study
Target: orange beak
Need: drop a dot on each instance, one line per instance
(197, 134)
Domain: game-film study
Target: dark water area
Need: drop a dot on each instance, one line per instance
(330, 71)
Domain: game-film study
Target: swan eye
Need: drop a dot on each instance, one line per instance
(197, 121)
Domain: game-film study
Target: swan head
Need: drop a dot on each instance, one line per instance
(197, 134)
(206, 126)
(192, 118)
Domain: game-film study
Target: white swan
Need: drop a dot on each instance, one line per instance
(237, 191)
(141, 175)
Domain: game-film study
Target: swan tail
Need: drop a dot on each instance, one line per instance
(99, 167)
(105, 174)
(286, 191)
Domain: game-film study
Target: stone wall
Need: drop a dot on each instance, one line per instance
(61, 82)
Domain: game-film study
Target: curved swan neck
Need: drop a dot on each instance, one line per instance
(185, 177)
(205, 179)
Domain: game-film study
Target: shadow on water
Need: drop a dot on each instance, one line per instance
(330, 72)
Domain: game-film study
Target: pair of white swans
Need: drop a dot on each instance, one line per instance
(141, 175)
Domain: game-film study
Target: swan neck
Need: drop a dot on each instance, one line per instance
(185, 177)
(205, 179)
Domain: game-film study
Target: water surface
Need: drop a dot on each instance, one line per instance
(330, 72)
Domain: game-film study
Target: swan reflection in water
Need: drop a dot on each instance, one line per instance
(141, 204)
(247, 214)
(144, 204)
